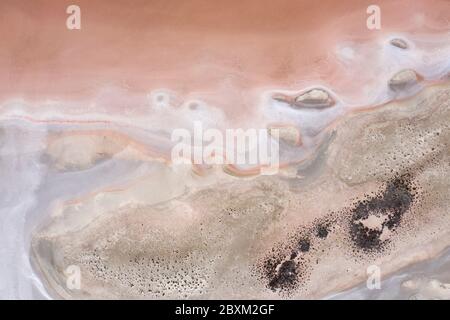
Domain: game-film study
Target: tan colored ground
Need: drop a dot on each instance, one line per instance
(216, 240)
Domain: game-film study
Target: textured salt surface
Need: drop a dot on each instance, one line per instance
(263, 237)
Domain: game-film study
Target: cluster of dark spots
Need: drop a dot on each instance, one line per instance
(286, 275)
(284, 267)
(304, 245)
(371, 220)
(294, 254)
(288, 264)
(281, 274)
(322, 227)
(322, 231)
(388, 207)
